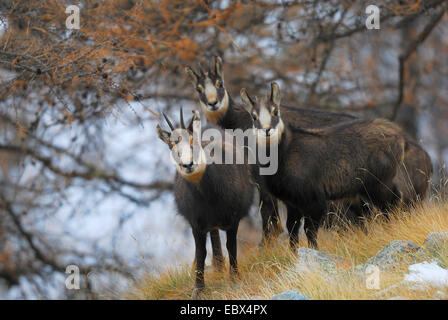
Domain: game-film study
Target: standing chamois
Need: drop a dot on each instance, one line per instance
(220, 109)
(357, 158)
(412, 179)
(209, 196)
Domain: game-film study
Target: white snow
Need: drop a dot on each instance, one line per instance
(428, 273)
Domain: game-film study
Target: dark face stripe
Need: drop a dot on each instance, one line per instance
(220, 92)
(265, 120)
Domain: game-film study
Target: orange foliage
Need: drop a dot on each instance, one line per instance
(186, 48)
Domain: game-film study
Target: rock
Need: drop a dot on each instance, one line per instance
(435, 242)
(256, 298)
(394, 253)
(359, 269)
(290, 295)
(398, 298)
(310, 259)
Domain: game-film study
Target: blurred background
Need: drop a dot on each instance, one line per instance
(84, 179)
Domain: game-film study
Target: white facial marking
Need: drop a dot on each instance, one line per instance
(221, 108)
(182, 155)
(210, 91)
(265, 116)
(274, 137)
(186, 154)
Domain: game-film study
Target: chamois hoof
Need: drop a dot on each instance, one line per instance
(234, 277)
(197, 293)
(218, 268)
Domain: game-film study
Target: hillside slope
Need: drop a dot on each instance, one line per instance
(272, 270)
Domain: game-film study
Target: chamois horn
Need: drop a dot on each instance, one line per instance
(168, 121)
(182, 123)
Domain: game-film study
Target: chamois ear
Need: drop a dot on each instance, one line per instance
(164, 135)
(192, 75)
(248, 103)
(275, 94)
(217, 67)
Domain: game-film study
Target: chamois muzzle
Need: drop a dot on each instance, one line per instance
(188, 167)
(213, 105)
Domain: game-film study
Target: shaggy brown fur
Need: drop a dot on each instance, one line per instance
(359, 157)
(218, 197)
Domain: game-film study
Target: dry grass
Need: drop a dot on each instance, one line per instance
(267, 271)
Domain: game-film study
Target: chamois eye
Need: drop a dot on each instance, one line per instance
(200, 88)
(274, 112)
(254, 116)
(218, 84)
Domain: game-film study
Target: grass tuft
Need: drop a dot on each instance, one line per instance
(269, 270)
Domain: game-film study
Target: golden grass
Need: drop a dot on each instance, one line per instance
(267, 271)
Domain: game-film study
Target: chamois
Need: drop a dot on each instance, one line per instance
(220, 109)
(209, 196)
(412, 179)
(359, 157)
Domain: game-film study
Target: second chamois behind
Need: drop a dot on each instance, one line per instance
(357, 158)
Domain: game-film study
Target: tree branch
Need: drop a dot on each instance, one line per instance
(407, 53)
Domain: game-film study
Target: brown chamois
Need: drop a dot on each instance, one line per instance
(356, 158)
(220, 109)
(412, 179)
(209, 196)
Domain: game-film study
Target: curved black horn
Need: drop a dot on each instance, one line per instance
(200, 69)
(168, 121)
(182, 123)
(211, 67)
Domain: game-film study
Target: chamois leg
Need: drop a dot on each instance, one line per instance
(385, 196)
(200, 239)
(232, 250)
(272, 227)
(293, 225)
(311, 229)
(359, 212)
(218, 258)
(356, 211)
(314, 215)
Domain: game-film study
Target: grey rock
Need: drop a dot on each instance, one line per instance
(312, 259)
(290, 295)
(398, 298)
(359, 270)
(395, 252)
(435, 242)
(440, 295)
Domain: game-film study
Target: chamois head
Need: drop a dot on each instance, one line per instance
(265, 114)
(186, 150)
(209, 84)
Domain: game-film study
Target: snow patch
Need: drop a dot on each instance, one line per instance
(429, 273)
